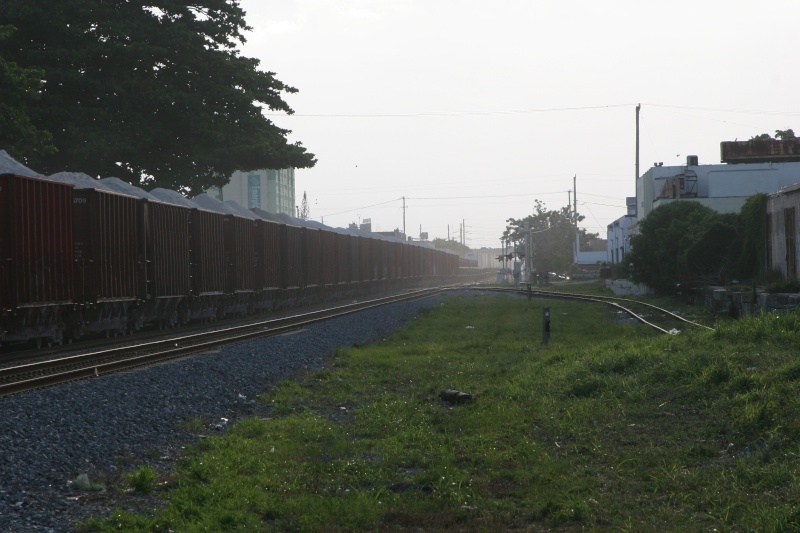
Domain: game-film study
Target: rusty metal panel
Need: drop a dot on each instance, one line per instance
(329, 257)
(382, 258)
(399, 260)
(36, 243)
(760, 151)
(365, 258)
(207, 252)
(271, 255)
(166, 245)
(343, 268)
(241, 240)
(426, 264)
(106, 246)
(408, 261)
(312, 256)
(294, 256)
(354, 258)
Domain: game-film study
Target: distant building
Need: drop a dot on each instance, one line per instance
(397, 234)
(270, 190)
(618, 235)
(485, 257)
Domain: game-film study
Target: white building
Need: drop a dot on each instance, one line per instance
(618, 234)
(722, 187)
(750, 168)
(485, 257)
(270, 190)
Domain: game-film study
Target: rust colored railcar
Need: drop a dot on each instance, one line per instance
(36, 257)
(164, 230)
(107, 261)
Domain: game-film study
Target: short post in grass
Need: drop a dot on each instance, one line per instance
(546, 325)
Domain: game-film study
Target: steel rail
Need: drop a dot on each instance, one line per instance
(29, 376)
(608, 300)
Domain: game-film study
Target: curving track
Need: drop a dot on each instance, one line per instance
(647, 314)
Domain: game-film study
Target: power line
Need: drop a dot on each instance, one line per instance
(528, 111)
(360, 208)
(484, 196)
(448, 113)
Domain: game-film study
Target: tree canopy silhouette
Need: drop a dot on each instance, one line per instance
(155, 93)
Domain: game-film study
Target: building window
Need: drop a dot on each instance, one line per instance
(254, 191)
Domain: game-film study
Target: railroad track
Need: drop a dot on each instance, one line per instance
(646, 313)
(42, 373)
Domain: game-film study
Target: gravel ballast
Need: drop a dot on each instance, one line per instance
(114, 424)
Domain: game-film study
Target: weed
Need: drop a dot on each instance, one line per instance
(143, 480)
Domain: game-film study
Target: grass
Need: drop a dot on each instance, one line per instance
(608, 427)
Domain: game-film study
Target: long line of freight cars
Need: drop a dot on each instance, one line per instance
(79, 255)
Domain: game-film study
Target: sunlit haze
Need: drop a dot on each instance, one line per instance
(471, 110)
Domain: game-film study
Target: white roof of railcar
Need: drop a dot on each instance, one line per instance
(80, 181)
(9, 165)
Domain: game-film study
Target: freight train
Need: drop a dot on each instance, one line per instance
(80, 256)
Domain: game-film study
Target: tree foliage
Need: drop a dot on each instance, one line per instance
(753, 225)
(779, 134)
(449, 244)
(553, 236)
(152, 92)
(685, 243)
(20, 89)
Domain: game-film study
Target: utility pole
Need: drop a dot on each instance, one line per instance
(404, 216)
(528, 252)
(575, 215)
(463, 231)
(638, 107)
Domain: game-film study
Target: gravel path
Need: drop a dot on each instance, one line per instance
(104, 427)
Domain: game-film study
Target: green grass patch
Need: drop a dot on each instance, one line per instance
(608, 427)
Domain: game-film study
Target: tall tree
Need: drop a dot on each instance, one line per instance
(553, 236)
(153, 92)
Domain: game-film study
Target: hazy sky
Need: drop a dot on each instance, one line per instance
(474, 109)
